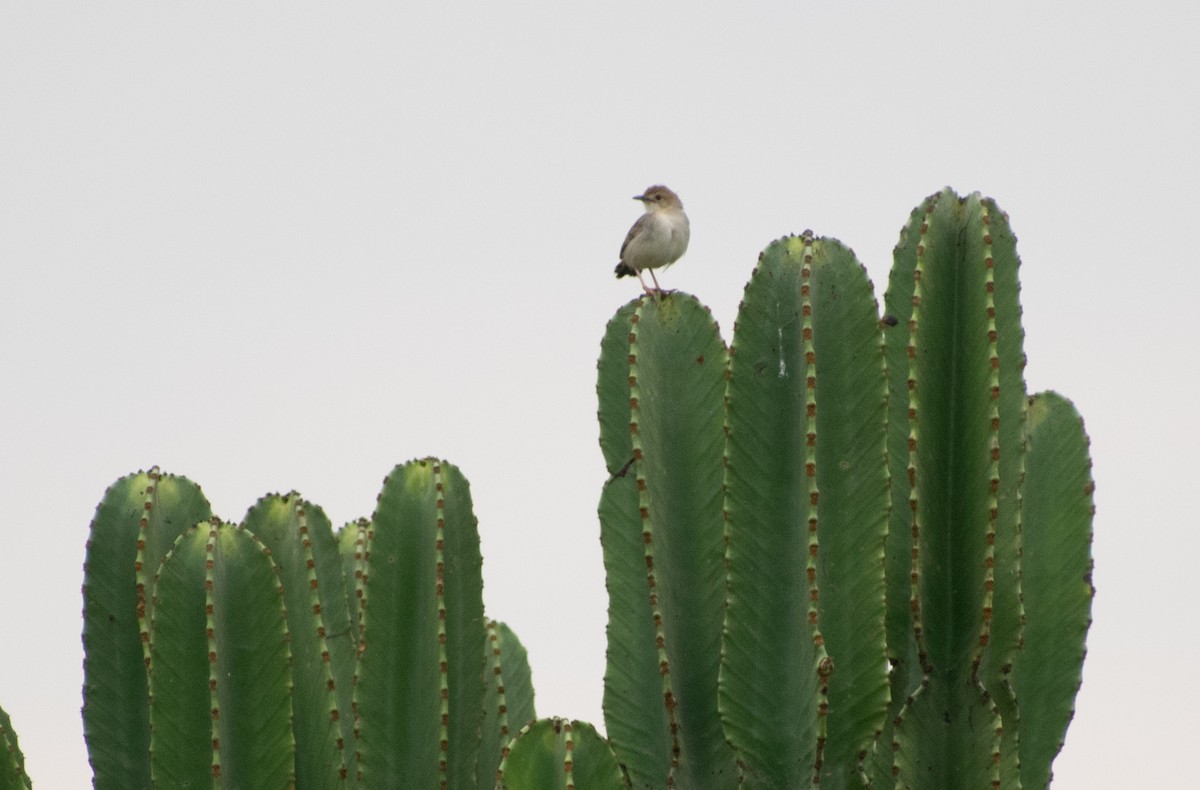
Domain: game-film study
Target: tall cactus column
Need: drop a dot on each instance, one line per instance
(957, 419)
(508, 702)
(1056, 577)
(803, 687)
(661, 387)
(943, 351)
(135, 526)
(220, 667)
(300, 540)
(419, 687)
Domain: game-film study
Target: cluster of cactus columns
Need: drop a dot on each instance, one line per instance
(832, 548)
(845, 550)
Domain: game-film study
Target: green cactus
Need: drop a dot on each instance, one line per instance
(300, 540)
(822, 583)
(803, 689)
(783, 519)
(351, 539)
(220, 680)
(663, 532)
(419, 683)
(12, 761)
(809, 304)
(508, 704)
(945, 482)
(1056, 578)
(554, 754)
(135, 525)
(958, 398)
(263, 672)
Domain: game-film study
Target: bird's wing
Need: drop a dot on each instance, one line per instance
(637, 227)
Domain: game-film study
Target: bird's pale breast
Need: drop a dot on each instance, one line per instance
(658, 239)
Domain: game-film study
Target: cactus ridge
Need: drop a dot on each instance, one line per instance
(824, 663)
(496, 667)
(993, 464)
(645, 510)
(142, 565)
(439, 559)
(914, 438)
(509, 700)
(299, 538)
(1003, 616)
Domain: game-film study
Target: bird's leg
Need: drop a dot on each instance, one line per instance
(643, 282)
(657, 287)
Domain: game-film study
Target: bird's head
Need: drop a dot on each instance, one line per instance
(658, 197)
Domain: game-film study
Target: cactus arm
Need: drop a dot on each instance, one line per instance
(252, 670)
(949, 404)
(661, 385)
(769, 686)
(636, 720)
(993, 241)
(806, 495)
(396, 687)
(635, 717)
(1057, 580)
(663, 501)
(850, 399)
(678, 375)
(12, 760)
(517, 676)
(172, 504)
(464, 627)
(220, 707)
(612, 392)
(554, 754)
(351, 540)
(300, 540)
(903, 653)
(953, 450)
(150, 508)
(419, 688)
(936, 354)
(181, 749)
(508, 703)
(770, 707)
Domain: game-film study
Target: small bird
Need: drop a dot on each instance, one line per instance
(657, 239)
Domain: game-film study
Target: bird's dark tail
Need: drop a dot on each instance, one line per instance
(624, 271)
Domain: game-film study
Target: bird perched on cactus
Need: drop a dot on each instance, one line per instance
(657, 239)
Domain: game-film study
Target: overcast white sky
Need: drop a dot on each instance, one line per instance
(283, 245)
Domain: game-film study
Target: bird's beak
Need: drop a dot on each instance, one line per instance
(642, 198)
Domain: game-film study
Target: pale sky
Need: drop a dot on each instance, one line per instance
(288, 246)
